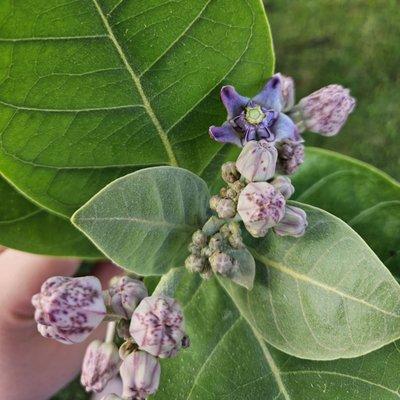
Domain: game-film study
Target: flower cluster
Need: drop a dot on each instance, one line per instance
(152, 327)
(268, 128)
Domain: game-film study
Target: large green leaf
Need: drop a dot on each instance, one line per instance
(322, 296)
(229, 360)
(26, 227)
(364, 197)
(144, 221)
(91, 90)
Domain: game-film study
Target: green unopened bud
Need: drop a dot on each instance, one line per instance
(199, 238)
(206, 252)
(238, 186)
(212, 225)
(214, 202)
(229, 172)
(236, 241)
(215, 242)
(223, 192)
(194, 249)
(195, 263)
(231, 194)
(226, 208)
(223, 263)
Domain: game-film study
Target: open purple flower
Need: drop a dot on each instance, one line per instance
(260, 117)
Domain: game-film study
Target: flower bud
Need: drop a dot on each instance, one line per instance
(231, 194)
(112, 396)
(100, 364)
(69, 309)
(126, 293)
(123, 328)
(214, 200)
(284, 185)
(199, 238)
(212, 225)
(206, 252)
(226, 208)
(194, 249)
(257, 161)
(157, 326)
(207, 274)
(287, 92)
(215, 242)
(195, 263)
(140, 373)
(238, 186)
(326, 110)
(261, 207)
(127, 348)
(294, 223)
(229, 172)
(290, 156)
(223, 263)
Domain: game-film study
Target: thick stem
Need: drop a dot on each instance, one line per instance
(169, 282)
(110, 332)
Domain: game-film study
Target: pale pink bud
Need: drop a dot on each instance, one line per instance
(290, 156)
(257, 161)
(157, 326)
(226, 208)
(326, 110)
(294, 223)
(126, 293)
(223, 264)
(284, 185)
(69, 309)
(261, 207)
(100, 364)
(229, 172)
(140, 373)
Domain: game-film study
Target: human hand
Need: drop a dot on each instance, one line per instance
(33, 367)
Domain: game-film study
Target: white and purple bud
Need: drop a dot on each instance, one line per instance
(112, 396)
(125, 294)
(261, 207)
(324, 111)
(140, 374)
(226, 208)
(294, 223)
(199, 238)
(69, 309)
(100, 365)
(195, 263)
(223, 264)
(157, 326)
(229, 172)
(284, 185)
(290, 156)
(257, 161)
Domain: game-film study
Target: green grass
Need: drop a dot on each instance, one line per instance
(354, 43)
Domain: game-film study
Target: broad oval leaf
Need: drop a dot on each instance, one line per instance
(366, 198)
(323, 296)
(26, 227)
(229, 360)
(144, 221)
(92, 90)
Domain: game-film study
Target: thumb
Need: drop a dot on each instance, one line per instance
(21, 276)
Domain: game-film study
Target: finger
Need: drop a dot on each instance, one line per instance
(22, 274)
(105, 271)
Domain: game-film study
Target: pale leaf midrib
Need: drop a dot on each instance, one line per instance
(139, 87)
(304, 278)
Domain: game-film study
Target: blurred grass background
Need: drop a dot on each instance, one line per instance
(354, 43)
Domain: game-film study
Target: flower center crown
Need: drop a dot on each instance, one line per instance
(254, 115)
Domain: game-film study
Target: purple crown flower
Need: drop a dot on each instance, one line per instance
(325, 111)
(140, 373)
(100, 365)
(260, 117)
(125, 294)
(157, 326)
(261, 207)
(69, 309)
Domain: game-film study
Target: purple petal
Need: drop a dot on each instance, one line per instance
(285, 128)
(225, 134)
(271, 95)
(233, 101)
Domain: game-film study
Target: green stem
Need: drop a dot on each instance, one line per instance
(169, 282)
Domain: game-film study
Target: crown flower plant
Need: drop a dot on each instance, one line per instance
(251, 266)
